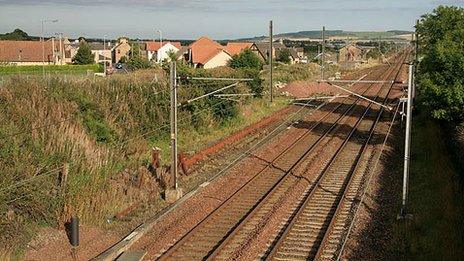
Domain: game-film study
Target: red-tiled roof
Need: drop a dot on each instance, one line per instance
(204, 49)
(154, 46)
(25, 51)
(236, 48)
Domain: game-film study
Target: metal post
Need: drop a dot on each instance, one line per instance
(323, 53)
(407, 145)
(74, 227)
(104, 55)
(380, 49)
(53, 50)
(43, 44)
(417, 43)
(158, 56)
(43, 50)
(61, 49)
(271, 62)
(174, 124)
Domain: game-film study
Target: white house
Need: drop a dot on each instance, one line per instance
(158, 52)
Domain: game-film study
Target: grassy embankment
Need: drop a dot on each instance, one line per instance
(436, 231)
(50, 69)
(104, 128)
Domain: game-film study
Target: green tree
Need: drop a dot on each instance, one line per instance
(135, 58)
(84, 54)
(246, 59)
(284, 56)
(373, 54)
(441, 77)
(16, 35)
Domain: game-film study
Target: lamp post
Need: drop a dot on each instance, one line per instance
(104, 55)
(43, 44)
(158, 58)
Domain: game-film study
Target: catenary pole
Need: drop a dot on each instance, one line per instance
(271, 62)
(323, 53)
(407, 145)
(174, 124)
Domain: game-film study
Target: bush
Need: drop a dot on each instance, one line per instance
(136, 60)
(246, 59)
(284, 56)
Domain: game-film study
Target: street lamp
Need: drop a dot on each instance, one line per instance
(161, 44)
(43, 44)
(104, 55)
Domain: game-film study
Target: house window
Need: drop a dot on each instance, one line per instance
(119, 51)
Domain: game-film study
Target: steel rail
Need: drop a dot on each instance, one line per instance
(172, 249)
(344, 197)
(318, 181)
(228, 238)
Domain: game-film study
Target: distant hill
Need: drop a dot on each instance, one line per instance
(18, 35)
(316, 34)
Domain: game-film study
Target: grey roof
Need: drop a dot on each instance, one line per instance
(263, 47)
(99, 46)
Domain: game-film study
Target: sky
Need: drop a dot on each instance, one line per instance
(219, 19)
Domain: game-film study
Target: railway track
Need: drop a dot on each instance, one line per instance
(228, 228)
(316, 229)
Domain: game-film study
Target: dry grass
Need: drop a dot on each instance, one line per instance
(104, 129)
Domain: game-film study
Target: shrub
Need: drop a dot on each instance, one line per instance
(246, 59)
(284, 56)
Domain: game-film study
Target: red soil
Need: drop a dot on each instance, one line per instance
(304, 89)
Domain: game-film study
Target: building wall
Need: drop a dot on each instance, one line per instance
(221, 59)
(120, 51)
(97, 53)
(350, 54)
(28, 63)
(164, 51)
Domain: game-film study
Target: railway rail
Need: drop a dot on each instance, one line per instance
(332, 147)
(316, 229)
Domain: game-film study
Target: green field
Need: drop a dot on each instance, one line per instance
(50, 69)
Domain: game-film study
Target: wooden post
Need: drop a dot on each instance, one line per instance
(64, 178)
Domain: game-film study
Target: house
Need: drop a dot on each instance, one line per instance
(264, 49)
(31, 52)
(102, 53)
(294, 57)
(350, 53)
(70, 50)
(120, 50)
(300, 52)
(236, 48)
(206, 53)
(160, 51)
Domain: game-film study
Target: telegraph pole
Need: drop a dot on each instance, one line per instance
(174, 124)
(323, 53)
(407, 145)
(271, 62)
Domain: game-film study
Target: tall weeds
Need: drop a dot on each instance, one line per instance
(104, 129)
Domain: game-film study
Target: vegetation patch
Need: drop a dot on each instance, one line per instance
(436, 230)
(50, 69)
